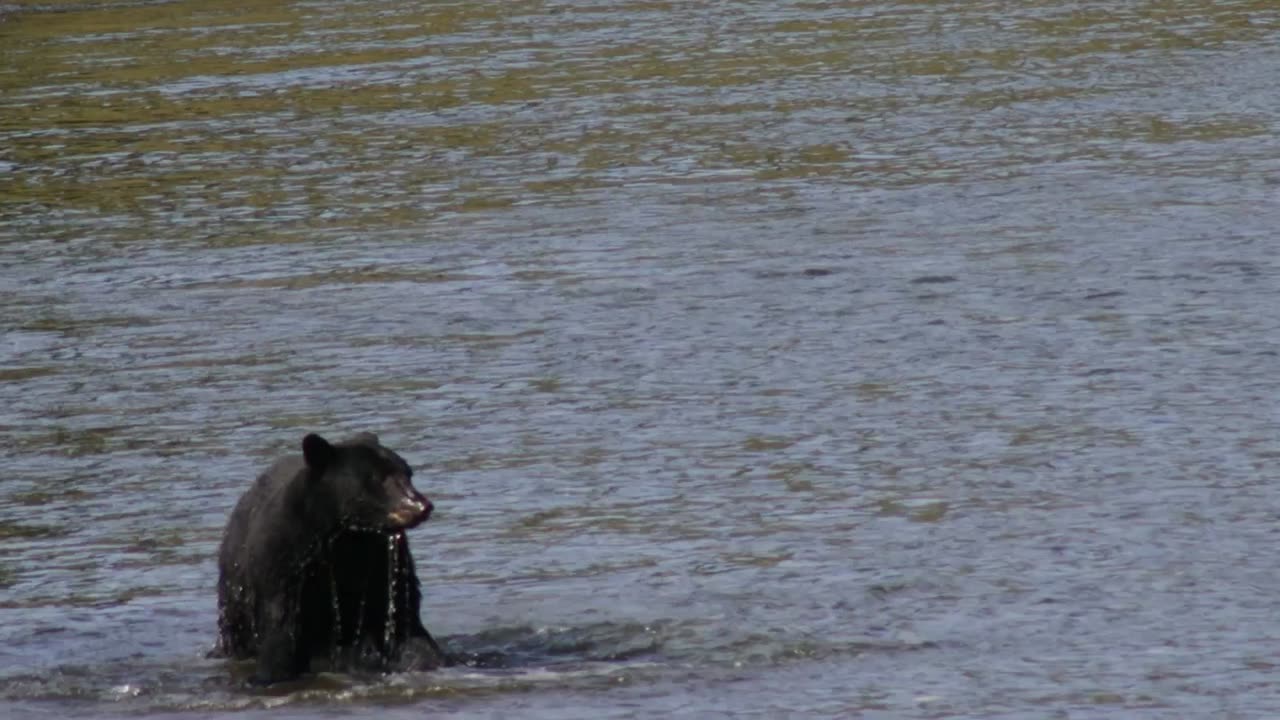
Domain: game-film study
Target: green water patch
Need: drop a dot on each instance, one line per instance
(36, 498)
(11, 530)
(78, 326)
(922, 510)
(799, 477)
(1154, 22)
(1164, 129)
(73, 442)
(1082, 435)
(766, 444)
(871, 391)
(299, 421)
(395, 386)
(345, 277)
(216, 37)
(546, 384)
(623, 518)
(89, 599)
(18, 374)
(490, 339)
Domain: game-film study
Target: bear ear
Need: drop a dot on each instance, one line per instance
(317, 451)
(366, 438)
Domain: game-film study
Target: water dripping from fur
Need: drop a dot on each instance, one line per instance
(336, 603)
(393, 571)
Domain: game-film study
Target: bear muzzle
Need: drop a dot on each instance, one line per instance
(412, 511)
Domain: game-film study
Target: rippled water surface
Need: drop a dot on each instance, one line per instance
(834, 359)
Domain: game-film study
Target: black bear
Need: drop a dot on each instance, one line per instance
(314, 567)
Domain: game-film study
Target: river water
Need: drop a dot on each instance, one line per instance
(820, 359)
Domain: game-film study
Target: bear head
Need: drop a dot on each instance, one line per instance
(363, 484)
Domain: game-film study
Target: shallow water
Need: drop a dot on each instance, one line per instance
(889, 359)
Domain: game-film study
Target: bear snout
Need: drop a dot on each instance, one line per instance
(412, 511)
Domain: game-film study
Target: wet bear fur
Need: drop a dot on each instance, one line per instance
(314, 570)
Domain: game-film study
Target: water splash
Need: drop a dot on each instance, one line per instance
(336, 605)
(393, 571)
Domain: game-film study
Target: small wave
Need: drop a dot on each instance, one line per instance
(521, 658)
(497, 661)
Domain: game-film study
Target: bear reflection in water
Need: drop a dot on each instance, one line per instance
(314, 571)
